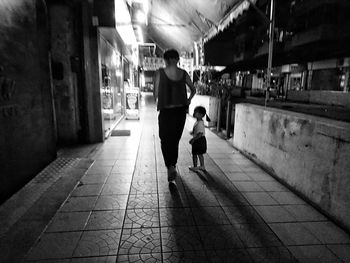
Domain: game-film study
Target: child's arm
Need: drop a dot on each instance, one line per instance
(198, 135)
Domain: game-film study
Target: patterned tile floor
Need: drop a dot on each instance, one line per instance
(123, 210)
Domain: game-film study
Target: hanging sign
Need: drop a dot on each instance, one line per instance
(153, 63)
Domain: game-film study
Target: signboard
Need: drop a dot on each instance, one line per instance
(153, 63)
(132, 103)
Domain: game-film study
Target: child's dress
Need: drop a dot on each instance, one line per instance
(199, 146)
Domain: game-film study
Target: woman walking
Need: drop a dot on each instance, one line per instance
(170, 91)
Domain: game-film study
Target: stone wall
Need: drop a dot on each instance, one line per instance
(64, 52)
(27, 131)
(310, 154)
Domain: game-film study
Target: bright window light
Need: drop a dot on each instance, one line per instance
(140, 17)
(123, 22)
(139, 34)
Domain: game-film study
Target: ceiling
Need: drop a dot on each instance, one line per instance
(179, 23)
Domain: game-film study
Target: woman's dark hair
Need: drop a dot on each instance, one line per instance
(171, 54)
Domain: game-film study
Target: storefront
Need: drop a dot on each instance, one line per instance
(112, 86)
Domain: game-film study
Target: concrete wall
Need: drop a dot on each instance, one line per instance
(27, 131)
(64, 48)
(310, 154)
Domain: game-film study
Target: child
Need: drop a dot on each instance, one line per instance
(198, 142)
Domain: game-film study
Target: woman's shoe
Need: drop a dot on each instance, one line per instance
(172, 173)
(202, 168)
(193, 168)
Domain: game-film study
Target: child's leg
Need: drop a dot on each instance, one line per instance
(195, 162)
(201, 160)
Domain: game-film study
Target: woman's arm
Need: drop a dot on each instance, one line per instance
(191, 86)
(156, 85)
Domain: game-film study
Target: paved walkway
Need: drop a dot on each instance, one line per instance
(115, 205)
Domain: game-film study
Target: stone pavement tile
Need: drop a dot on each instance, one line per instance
(305, 213)
(94, 179)
(160, 166)
(54, 246)
(256, 235)
(219, 237)
(140, 176)
(108, 259)
(250, 168)
(327, 232)
(119, 178)
(272, 186)
(129, 156)
(242, 215)
(124, 163)
(294, 234)
(79, 204)
(245, 162)
(100, 220)
(99, 170)
(146, 168)
(140, 241)
(104, 259)
(49, 261)
(111, 202)
(176, 217)
(173, 199)
(98, 243)
(116, 189)
(87, 189)
(287, 198)
(216, 153)
(163, 187)
(224, 161)
(248, 187)
(105, 162)
(341, 251)
(185, 256)
(259, 198)
(194, 183)
(275, 214)
(271, 255)
(204, 216)
(202, 198)
(231, 199)
(228, 256)
(313, 254)
(122, 169)
(101, 165)
(68, 221)
(141, 187)
(154, 258)
(260, 176)
(142, 201)
(141, 217)
(180, 238)
(105, 156)
(230, 168)
(238, 176)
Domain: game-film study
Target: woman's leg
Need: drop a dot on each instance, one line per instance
(171, 124)
(195, 161)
